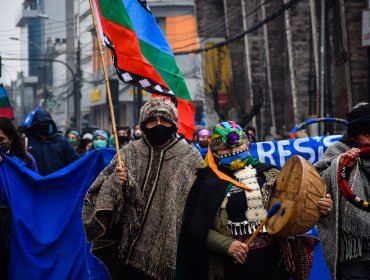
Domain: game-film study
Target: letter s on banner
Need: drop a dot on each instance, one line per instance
(304, 150)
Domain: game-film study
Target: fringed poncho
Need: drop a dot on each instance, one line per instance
(345, 234)
(138, 223)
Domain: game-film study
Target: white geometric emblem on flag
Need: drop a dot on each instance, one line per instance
(144, 83)
(158, 88)
(127, 77)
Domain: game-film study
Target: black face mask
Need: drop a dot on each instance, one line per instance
(159, 134)
(43, 129)
(123, 139)
(5, 147)
(203, 144)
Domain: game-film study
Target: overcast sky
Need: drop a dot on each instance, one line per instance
(9, 48)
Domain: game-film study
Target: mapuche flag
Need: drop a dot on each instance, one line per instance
(141, 54)
(5, 107)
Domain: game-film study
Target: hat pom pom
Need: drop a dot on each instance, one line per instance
(232, 138)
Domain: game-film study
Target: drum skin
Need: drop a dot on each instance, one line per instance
(298, 188)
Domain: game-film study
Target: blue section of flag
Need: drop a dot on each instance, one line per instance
(47, 235)
(3, 93)
(145, 25)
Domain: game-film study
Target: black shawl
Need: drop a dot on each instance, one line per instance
(204, 199)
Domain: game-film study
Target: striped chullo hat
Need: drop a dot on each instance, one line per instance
(225, 135)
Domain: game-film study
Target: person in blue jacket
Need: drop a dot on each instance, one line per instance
(51, 150)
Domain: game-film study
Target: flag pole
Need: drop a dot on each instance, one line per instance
(107, 86)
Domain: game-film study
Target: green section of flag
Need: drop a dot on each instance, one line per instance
(115, 11)
(166, 66)
(4, 102)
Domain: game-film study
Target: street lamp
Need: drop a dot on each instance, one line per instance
(78, 74)
(27, 41)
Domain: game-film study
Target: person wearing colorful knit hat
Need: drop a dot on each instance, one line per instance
(224, 207)
(132, 214)
(345, 234)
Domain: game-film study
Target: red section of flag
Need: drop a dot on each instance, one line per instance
(7, 112)
(186, 118)
(129, 57)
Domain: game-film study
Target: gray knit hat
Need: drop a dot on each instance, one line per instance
(158, 107)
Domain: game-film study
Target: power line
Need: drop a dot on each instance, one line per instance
(277, 13)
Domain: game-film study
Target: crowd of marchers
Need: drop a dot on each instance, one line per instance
(178, 209)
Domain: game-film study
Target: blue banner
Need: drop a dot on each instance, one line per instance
(278, 152)
(47, 236)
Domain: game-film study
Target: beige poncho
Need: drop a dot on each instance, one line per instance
(138, 223)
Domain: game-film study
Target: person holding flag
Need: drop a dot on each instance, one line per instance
(132, 215)
(133, 211)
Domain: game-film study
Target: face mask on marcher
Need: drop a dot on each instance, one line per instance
(99, 143)
(159, 134)
(123, 139)
(203, 143)
(5, 147)
(72, 141)
(44, 129)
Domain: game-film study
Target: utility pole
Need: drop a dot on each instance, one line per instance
(293, 87)
(268, 70)
(322, 63)
(77, 89)
(248, 61)
(347, 64)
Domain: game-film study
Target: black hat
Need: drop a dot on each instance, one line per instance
(358, 120)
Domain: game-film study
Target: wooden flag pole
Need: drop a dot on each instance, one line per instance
(107, 86)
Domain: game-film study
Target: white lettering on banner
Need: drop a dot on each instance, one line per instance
(284, 153)
(262, 154)
(304, 150)
(330, 140)
(278, 152)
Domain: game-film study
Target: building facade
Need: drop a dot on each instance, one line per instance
(177, 21)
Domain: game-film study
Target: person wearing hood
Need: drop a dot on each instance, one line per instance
(51, 151)
(132, 214)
